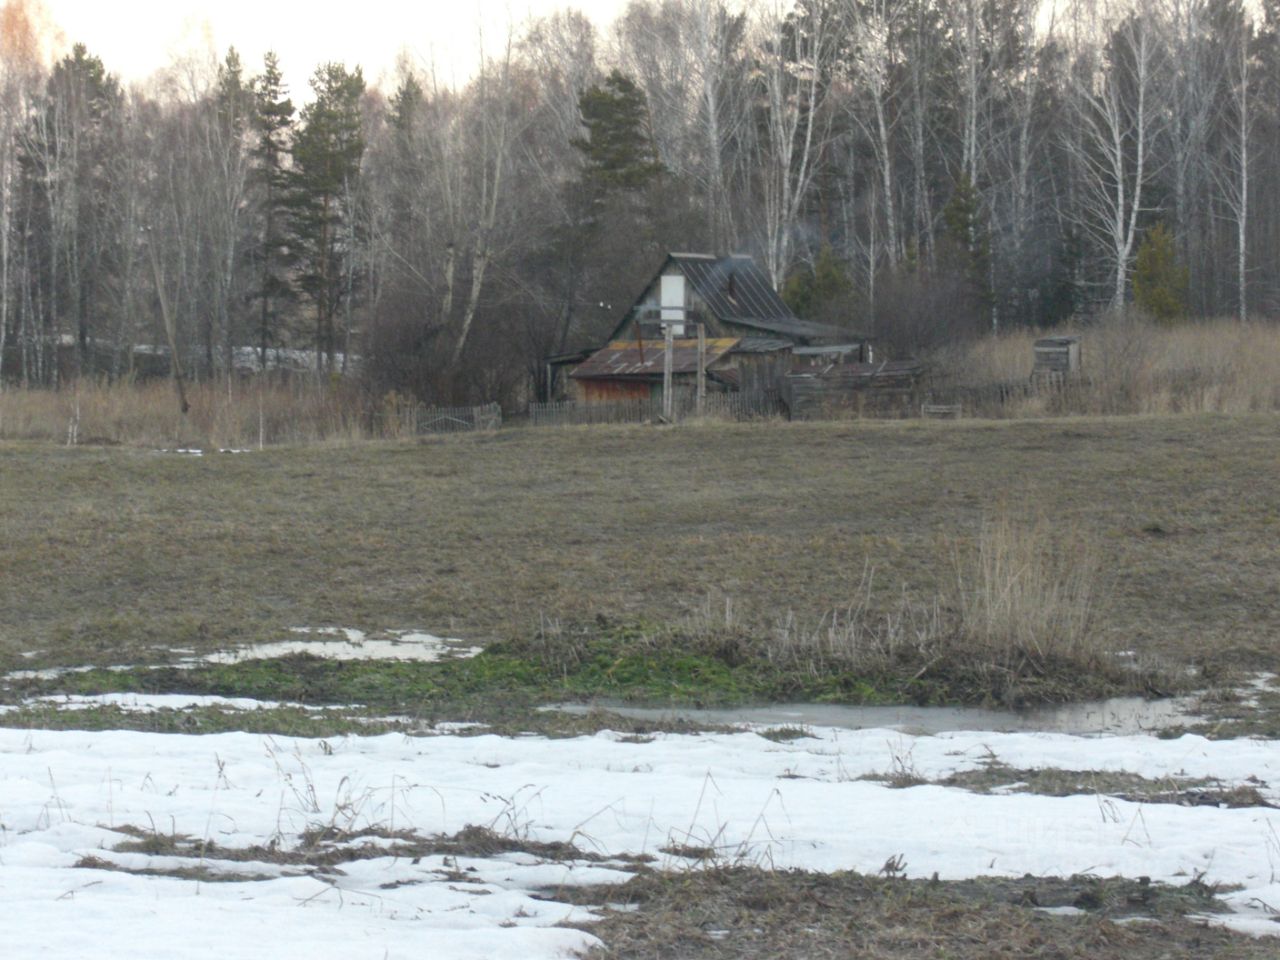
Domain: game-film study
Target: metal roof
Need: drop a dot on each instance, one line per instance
(829, 349)
(632, 360)
(734, 288)
(762, 345)
(739, 292)
(1064, 341)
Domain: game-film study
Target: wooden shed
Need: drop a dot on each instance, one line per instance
(1056, 358)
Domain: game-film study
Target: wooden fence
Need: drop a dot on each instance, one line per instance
(451, 419)
(716, 406)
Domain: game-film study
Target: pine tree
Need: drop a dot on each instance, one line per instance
(326, 164)
(824, 293)
(405, 105)
(965, 253)
(272, 122)
(618, 149)
(1159, 282)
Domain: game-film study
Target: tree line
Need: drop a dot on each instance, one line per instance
(912, 170)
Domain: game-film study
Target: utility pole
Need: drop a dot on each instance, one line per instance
(668, 346)
(702, 369)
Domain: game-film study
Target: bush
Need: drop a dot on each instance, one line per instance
(1159, 283)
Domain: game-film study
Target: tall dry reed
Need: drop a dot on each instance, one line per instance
(1129, 366)
(1029, 591)
(1022, 621)
(222, 415)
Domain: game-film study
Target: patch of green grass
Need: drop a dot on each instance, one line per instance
(508, 680)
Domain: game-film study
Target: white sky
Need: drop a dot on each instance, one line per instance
(135, 38)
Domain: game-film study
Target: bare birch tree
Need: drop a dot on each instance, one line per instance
(874, 28)
(793, 55)
(1117, 120)
(1232, 173)
(19, 74)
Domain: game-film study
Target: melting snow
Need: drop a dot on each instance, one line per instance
(346, 643)
(151, 702)
(332, 643)
(795, 804)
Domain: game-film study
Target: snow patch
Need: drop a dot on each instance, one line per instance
(796, 804)
(347, 643)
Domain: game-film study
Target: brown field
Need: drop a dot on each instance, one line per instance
(115, 554)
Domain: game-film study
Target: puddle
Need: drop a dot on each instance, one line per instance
(345, 643)
(1117, 717)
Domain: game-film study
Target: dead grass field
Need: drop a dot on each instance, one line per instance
(117, 554)
(748, 914)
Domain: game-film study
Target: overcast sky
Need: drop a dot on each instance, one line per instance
(134, 38)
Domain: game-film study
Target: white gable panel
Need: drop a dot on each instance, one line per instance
(673, 302)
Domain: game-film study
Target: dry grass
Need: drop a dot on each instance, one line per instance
(996, 777)
(740, 913)
(1132, 366)
(1031, 591)
(226, 415)
(1023, 618)
(119, 554)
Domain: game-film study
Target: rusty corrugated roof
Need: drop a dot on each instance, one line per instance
(632, 360)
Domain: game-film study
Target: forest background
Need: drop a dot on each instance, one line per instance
(918, 171)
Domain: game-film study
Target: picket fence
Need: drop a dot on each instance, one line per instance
(422, 419)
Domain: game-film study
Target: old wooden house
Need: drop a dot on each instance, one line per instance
(750, 336)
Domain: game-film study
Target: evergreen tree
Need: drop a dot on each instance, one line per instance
(824, 293)
(618, 150)
(326, 164)
(1159, 281)
(405, 105)
(272, 122)
(965, 252)
(619, 172)
(233, 98)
